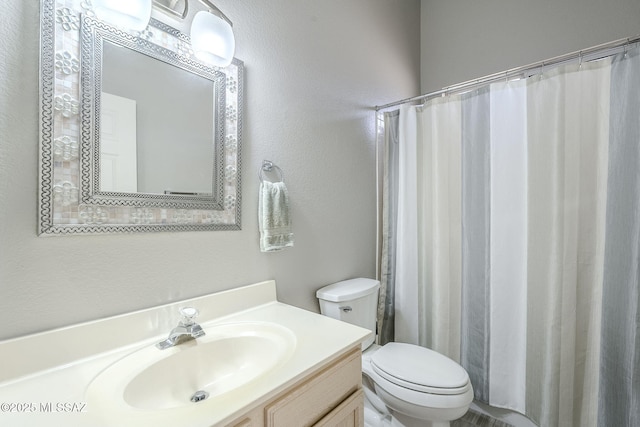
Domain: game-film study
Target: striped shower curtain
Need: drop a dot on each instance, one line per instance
(514, 248)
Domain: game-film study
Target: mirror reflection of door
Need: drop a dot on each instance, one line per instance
(118, 158)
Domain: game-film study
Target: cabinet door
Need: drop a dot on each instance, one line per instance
(253, 418)
(349, 413)
(245, 423)
(318, 396)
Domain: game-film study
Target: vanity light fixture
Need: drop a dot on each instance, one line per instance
(131, 14)
(211, 31)
(212, 37)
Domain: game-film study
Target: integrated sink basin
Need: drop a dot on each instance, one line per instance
(228, 357)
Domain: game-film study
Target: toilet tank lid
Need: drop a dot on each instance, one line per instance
(348, 289)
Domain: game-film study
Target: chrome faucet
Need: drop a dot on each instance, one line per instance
(186, 330)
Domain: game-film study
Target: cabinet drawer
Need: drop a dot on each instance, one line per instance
(317, 396)
(349, 413)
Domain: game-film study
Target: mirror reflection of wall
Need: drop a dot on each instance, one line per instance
(174, 124)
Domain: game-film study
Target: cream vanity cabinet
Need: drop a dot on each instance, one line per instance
(331, 396)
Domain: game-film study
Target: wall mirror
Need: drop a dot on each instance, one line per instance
(136, 134)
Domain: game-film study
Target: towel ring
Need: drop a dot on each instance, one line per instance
(268, 166)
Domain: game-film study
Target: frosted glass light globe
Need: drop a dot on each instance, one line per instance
(212, 39)
(130, 14)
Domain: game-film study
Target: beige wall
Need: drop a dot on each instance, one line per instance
(466, 39)
(314, 69)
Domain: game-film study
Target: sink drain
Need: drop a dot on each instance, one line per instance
(199, 395)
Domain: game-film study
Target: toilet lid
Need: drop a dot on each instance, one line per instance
(420, 369)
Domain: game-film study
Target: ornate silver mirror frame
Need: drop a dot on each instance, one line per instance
(70, 200)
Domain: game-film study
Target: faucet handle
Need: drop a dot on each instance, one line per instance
(188, 314)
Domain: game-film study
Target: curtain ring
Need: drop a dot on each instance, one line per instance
(580, 63)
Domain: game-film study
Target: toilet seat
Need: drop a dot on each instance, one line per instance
(420, 369)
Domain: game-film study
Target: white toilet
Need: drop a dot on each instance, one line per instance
(405, 385)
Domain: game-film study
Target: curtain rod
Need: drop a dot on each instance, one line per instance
(585, 55)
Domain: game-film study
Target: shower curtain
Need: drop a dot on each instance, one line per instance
(514, 244)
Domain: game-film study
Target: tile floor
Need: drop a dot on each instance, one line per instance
(474, 419)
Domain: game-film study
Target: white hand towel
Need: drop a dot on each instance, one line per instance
(273, 217)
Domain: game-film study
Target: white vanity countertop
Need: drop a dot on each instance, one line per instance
(44, 377)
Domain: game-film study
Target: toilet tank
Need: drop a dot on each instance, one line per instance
(353, 301)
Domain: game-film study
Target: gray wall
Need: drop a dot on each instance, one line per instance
(314, 69)
(466, 39)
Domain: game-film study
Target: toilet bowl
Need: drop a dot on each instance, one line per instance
(420, 387)
(405, 385)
